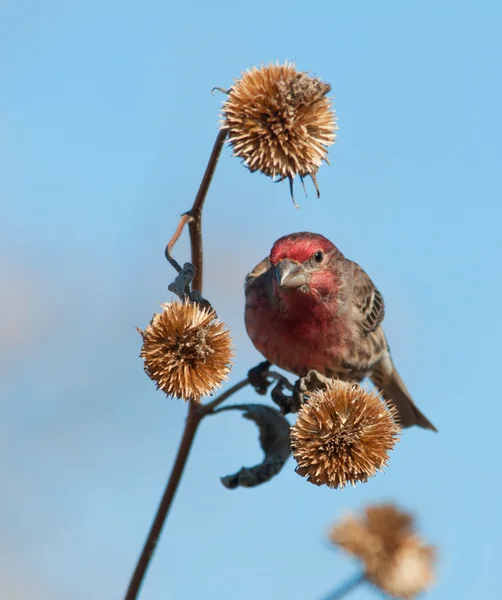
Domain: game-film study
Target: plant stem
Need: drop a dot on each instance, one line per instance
(193, 419)
(207, 409)
(346, 587)
(196, 412)
(195, 225)
(193, 217)
(181, 225)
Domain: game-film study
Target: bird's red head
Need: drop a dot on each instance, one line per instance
(299, 247)
(306, 262)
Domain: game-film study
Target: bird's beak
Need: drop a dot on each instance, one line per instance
(289, 274)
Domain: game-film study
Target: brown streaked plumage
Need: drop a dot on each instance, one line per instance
(310, 308)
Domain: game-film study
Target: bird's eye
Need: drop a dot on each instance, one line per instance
(318, 256)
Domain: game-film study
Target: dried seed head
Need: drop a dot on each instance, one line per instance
(343, 435)
(411, 572)
(186, 350)
(394, 557)
(280, 121)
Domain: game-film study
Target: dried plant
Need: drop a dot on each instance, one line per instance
(274, 441)
(394, 557)
(186, 350)
(280, 121)
(343, 434)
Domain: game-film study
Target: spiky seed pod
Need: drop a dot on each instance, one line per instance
(394, 557)
(280, 121)
(186, 350)
(343, 434)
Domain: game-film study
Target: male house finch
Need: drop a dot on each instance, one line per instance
(310, 308)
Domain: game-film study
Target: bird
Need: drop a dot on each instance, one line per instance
(307, 307)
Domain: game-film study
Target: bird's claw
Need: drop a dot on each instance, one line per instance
(258, 379)
(291, 403)
(288, 403)
(314, 381)
(283, 401)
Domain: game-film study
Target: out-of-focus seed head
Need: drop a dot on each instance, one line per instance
(186, 350)
(394, 557)
(343, 434)
(280, 121)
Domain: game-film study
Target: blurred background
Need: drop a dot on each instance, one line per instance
(106, 124)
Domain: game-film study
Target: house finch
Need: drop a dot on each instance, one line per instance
(310, 308)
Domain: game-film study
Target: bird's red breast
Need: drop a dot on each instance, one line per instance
(293, 330)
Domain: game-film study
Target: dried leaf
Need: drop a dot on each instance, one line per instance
(274, 441)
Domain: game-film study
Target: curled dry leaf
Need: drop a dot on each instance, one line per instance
(274, 441)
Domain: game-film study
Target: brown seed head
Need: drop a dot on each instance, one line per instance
(394, 557)
(343, 435)
(280, 121)
(186, 350)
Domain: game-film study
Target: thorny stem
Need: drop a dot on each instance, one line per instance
(193, 217)
(346, 587)
(196, 412)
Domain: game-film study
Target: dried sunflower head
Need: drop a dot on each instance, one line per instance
(394, 557)
(280, 121)
(186, 350)
(343, 434)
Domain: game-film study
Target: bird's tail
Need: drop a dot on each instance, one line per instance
(395, 391)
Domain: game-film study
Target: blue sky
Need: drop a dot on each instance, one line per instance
(106, 123)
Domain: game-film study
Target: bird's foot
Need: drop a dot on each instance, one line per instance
(288, 403)
(304, 386)
(261, 378)
(258, 378)
(314, 381)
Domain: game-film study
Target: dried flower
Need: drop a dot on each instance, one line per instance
(394, 557)
(343, 435)
(280, 121)
(186, 350)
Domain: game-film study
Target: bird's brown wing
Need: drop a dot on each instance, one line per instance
(262, 267)
(368, 300)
